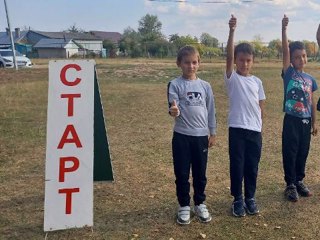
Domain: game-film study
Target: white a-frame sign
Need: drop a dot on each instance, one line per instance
(74, 115)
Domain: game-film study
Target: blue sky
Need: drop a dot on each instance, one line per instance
(260, 17)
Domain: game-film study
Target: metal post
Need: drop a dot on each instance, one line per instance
(11, 38)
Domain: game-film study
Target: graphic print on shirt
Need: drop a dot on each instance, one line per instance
(298, 95)
(194, 99)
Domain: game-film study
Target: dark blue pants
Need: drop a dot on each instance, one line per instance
(244, 152)
(296, 136)
(190, 152)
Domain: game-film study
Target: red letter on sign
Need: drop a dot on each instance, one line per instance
(63, 75)
(68, 192)
(63, 169)
(75, 139)
(70, 102)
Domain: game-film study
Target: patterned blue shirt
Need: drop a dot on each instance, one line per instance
(298, 89)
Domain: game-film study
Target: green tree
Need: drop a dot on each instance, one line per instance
(151, 36)
(180, 41)
(174, 37)
(258, 45)
(212, 52)
(150, 28)
(158, 48)
(311, 48)
(176, 42)
(129, 44)
(110, 47)
(74, 29)
(275, 47)
(209, 41)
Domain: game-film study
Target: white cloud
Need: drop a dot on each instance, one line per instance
(289, 3)
(314, 6)
(260, 17)
(163, 9)
(193, 10)
(147, 3)
(157, 8)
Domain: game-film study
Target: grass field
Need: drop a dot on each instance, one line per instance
(141, 202)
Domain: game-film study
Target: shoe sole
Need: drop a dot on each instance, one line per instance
(237, 215)
(292, 200)
(204, 221)
(305, 195)
(183, 223)
(250, 213)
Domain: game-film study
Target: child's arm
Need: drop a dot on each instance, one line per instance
(314, 130)
(230, 46)
(261, 104)
(212, 121)
(285, 44)
(318, 35)
(172, 101)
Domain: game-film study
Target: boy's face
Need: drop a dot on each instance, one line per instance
(244, 62)
(189, 66)
(299, 59)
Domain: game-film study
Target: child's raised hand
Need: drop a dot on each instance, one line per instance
(174, 110)
(232, 22)
(285, 21)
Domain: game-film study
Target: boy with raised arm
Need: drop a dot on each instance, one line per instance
(246, 98)
(299, 120)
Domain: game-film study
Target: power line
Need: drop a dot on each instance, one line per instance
(182, 1)
(207, 2)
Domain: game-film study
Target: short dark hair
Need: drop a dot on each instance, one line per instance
(243, 48)
(186, 51)
(296, 45)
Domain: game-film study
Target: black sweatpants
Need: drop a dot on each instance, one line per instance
(244, 152)
(190, 152)
(296, 136)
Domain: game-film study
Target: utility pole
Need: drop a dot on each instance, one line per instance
(11, 38)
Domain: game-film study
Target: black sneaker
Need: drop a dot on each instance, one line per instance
(238, 208)
(251, 206)
(291, 193)
(303, 189)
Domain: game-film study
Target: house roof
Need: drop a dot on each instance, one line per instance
(113, 36)
(5, 37)
(67, 35)
(56, 43)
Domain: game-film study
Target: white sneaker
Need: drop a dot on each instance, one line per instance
(183, 215)
(201, 211)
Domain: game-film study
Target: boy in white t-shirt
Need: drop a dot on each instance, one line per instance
(246, 98)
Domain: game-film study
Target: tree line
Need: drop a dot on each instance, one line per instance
(148, 41)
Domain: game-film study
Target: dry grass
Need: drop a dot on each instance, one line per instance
(141, 203)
